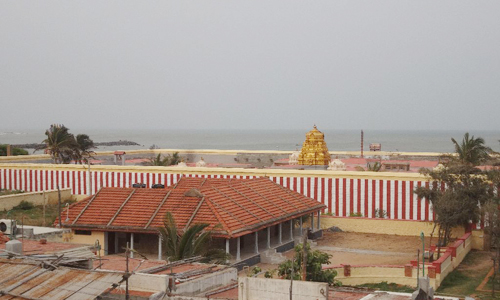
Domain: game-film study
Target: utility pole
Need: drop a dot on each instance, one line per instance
(362, 138)
(304, 256)
(127, 275)
(59, 206)
(291, 277)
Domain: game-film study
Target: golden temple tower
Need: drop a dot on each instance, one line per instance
(314, 150)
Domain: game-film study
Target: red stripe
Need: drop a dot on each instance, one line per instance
(316, 189)
(337, 213)
(427, 204)
(302, 185)
(344, 196)
(288, 182)
(85, 180)
(419, 204)
(359, 197)
(295, 184)
(329, 195)
(148, 183)
(403, 200)
(10, 179)
(31, 180)
(26, 180)
(52, 180)
(351, 196)
(46, 180)
(388, 193)
(73, 180)
(101, 180)
(396, 198)
(323, 191)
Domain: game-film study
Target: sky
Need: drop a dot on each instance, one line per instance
(410, 65)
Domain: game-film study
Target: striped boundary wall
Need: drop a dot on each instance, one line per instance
(343, 196)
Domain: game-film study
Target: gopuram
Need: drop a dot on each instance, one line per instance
(314, 151)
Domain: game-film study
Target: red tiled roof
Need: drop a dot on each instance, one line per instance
(232, 207)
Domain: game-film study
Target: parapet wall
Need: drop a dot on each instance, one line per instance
(36, 198)
(407, 275)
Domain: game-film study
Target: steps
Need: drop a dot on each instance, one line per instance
(270, 256)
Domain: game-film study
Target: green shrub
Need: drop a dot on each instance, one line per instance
(24, 205)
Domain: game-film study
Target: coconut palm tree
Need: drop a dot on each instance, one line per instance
(191, 242)
(59, 143)
(164, 161)
(472, 151)
(83, 147)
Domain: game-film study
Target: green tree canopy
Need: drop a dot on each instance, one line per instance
(314, 269)
(191, 242)
(472, 151)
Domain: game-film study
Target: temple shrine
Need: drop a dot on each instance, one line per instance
(314, 150)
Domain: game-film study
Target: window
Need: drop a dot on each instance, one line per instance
(83, 232)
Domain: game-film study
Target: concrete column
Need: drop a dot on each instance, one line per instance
(281, 232)
(319, 219)
(227, 249)
(132, 245)
(256, 242)
(291, 229)
(159, 247)
(301, 226)
(312, 221)
(268, 237)
(238, 255)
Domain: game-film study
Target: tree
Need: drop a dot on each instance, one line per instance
(472, 151)
(83, 147)
(60, 143)
(191, 242)
(164, 161)
(314, 270)
(15, 151)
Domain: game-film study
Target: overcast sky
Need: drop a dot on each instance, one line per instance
(250, 64)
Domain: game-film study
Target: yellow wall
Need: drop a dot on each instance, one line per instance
(87, 239)
(395, 227)
(37, 198)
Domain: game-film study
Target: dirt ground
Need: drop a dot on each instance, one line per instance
(365, 249)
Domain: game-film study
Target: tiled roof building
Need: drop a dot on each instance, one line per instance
(233, 208)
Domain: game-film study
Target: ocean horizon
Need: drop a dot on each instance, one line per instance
(237, 139)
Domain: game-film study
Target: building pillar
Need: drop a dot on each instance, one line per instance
(312, 222)
(159, 247)
(256, 242)
(132, 245)
(268, 237)
(280, 233)
(238, 255)
(291, 230)
(319, 220)
(300, 226)
(227, 249)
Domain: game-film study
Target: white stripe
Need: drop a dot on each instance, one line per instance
(355, 187)
(362, 194)
(319, 189)
(347, 200)
(334, 199)
(298, 184)
(383, 190)
(392, 199)
(311, 188)
(327, 194)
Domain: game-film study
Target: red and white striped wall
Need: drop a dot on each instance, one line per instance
(342, 196)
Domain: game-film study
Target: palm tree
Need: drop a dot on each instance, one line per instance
(59, 143)
(163, 161)
(83, 147)
(194, 241)
(471, 151)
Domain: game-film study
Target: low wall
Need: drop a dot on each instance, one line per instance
(37, 198)
(395, 227)
(278, 289)
(207, 282)
(407, 274)
(150, 282)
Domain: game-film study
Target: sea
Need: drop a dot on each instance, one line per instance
(225, 139)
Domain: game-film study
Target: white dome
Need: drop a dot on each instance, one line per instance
(439, 168)
(336, 165)
(201, 163)
(293, 159)
(182, 164)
